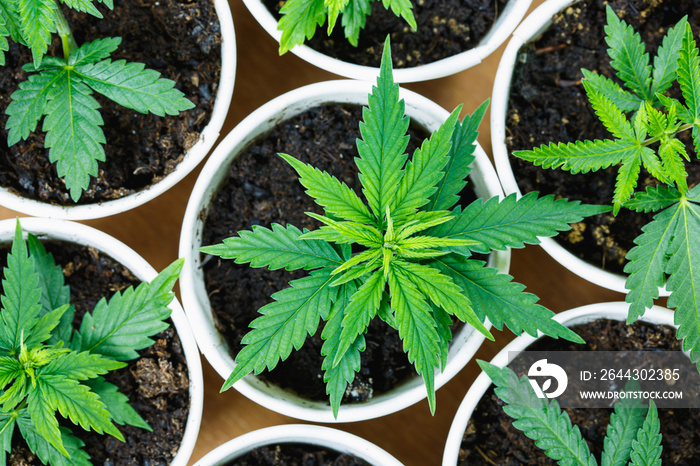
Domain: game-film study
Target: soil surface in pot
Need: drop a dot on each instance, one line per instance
(445, 28)
(491, 439)
(157, 384)
(178, 38)
(296, 454)
(548, 104)
(262, 189)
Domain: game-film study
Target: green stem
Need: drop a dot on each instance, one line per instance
(682, 128)
(67, 39)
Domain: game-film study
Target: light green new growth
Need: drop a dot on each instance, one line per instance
(61, 88)
(667, 250)
(47, 368)
(300, 18)
(410, 264)
(631, 439)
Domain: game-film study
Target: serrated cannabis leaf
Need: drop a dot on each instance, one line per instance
(667, 249)
(118, 328)
(625, 422)
(646, 448)
(384, 258)
(4, 45)
(354, 19)
(540, 419)
(36, 21)
(28, 103)
(44, 373)
(299, 21)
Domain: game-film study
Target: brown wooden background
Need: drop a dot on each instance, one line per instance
(413, 436)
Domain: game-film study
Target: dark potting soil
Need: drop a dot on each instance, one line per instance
(157, 384)
(445, 28)
(548, 104)
(262, 189)
(296, 454)
(491, 439)
(178, 38)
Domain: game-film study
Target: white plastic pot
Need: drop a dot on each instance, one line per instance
(530, 29)
(507, 21)
(191, 159)
(327, 437)
(86, 236)
(580, 315)
(194, 296)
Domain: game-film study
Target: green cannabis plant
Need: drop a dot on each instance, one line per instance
(632, 437)
(645, 124)
(60, 88)
(300, 18)
(47, 367)
(403, 256)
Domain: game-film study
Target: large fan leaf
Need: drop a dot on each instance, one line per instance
(134, 87)
(384, 140)
(118, 328)
(276, 248)
(73, 132)
(503, 301)
(284, 324)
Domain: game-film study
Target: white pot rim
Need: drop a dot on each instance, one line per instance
(535, 23)
(194, 296)
(91, 237)
(580, 315)
(507, 21)
(191, 159)
(334, 439)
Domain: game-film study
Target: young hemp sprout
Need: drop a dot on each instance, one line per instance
(645, 124)
(632, 438)
(402, 254)
(301, 17)
(60, 88)
(48, 367)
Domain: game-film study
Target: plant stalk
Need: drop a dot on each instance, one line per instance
(67, 39)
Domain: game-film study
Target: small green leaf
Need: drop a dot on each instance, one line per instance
(626, 180)
(579, 156)
(384, 140)
(609, 114)
(688, 72)
(276, 248)
(28, 103)
(73, 132)
(335, 197)
(7, 428)
(118, 328)
(654, 199)
(284, 324)
(36, 24)
(350, 232)
(416, 327)
(80, 366)
(647, 262)
(299, 21)
(117, 404)
(10, 369)
(134, 87)
(85, 6)
(539, 419)
(503, 301)
(499, 224)
(683, 268)
(460, 158)
(4, 45)
(627, 55)
(646, 448)
(625, 101)
(334, 8)
(622, 430)
(91, 52)
(424, 170)
(402, 8)
(361, 308)
(354, 19)
(43, 417)
(666, 60)
(9, 16)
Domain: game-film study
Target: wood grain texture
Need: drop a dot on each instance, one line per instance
(413, 436)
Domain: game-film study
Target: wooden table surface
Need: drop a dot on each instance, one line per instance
(413, 436)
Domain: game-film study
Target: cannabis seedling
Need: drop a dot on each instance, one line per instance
(669, 246)
(630, 435)
(403, 257)
(301, 17)
(61, 88)
(47, 367)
